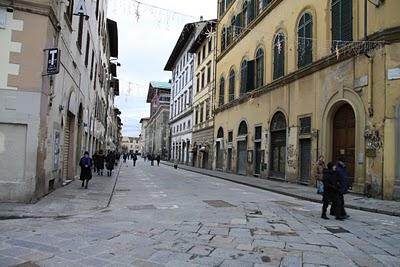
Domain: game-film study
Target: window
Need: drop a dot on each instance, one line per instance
(91, 66)
(342, 21)
(220, 133)
(87, 49)
(243, 77)
(201, 112)
(97, 9)
(196, 119)
(189, 124)
(230, 137)
(95, 77)
(80, 32)
(221, 91)
(70, 10)
(233, 26)
(210, 45)
(258, 133)
(259, 68)
(204, 52)
(199, 58)
(305, 125)
(223, 39)
(198, 84)
(231, 85)
(208, 72)
(208, 109)
(244, 15)
(238, 25)
(304, 49)
(203, 73)
(251, 11)
(279, 55)
(242, 129)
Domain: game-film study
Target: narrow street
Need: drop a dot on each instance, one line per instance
(160, 216)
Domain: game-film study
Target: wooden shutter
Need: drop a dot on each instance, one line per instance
(251, 8)
(250, 75)
(347, 20)
(238, 24)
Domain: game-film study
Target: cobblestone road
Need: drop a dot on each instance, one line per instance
(165, 217)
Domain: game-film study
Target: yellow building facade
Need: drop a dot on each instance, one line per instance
(300, 79)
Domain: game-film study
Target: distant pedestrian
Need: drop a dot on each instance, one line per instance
(331, 189)
(144, 158)
(152, 159)
(134, 158)
(343, 177)
(158, 158)
(320, 173)
(86, 164)
(94, 158)
(100, 162)
(124, 157)
(110, 162)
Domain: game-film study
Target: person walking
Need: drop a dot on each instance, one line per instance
(86, 164)
(343, 181)
(331, 189)
(100, 162)
(134, 158)
(124, 157)
(158, 159)
(320, 174)
(110, 162)
(94, 158)
(152, 159)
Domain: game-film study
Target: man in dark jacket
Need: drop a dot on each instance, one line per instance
(343, 179)
(134, 157)
(331, 189)
(100, 162)
(158, 158)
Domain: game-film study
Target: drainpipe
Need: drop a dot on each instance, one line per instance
(365, 19)
(385, 90)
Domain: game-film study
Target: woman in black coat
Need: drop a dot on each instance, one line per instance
(100, 162)
(86, 164)
(110, 161)
(331, 189)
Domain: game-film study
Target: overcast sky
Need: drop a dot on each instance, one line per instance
(145, 44)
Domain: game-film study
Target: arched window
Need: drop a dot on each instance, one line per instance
(278, 122)
(244, 14)
(220, 133)
(231, 85)
(304, 35)
(221, 91)
(242, 129)
(259, 68)
(279, 55)
(223, 39)
(342, 22)
(243, 78)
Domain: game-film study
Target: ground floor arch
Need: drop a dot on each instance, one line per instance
(278, 131)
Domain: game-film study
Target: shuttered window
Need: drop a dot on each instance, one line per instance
(238, 24)
(243, 78)
(231, 85)
(223, 39)
(259, 68)
(342, 22)
(304, 47)
(250, 75)
(251, 11)
(279, 55)
(221, 91)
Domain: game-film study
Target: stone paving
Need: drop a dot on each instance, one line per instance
(159, 216)
(354, 201)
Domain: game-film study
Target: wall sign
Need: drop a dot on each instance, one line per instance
(53, 61)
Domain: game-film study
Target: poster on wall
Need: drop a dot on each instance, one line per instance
(56, 150)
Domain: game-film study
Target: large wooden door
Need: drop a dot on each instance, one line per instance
(344, 124)
(305, 160)
(242, 158)
(278, 146)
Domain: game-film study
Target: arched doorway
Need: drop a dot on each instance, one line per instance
(278, 145)
(242, 149)
(344, 138)
(219, 148)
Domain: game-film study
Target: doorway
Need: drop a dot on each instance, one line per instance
(278, 146)
(242, 149)
(305, 160)
(68, 146)
(344, 126)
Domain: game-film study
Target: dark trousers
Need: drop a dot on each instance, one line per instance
(158, 163)
(339, 208)
(134, 162)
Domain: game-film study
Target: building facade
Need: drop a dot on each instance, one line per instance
(131, 145)
(143, 125)
(203, 95)
(57, 103)
(181, 64)
(321, 81)
(157, 128)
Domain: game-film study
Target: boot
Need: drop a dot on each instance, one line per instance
(83, 183)
(323, 216)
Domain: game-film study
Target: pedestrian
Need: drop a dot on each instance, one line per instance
(86, 164)
(343, 179)
(94, 158)
(331, 189)
(100, 162)
(320, 173)
(134, 157)
(149, 156)
(124, 157)
(110, 162)
(152, 159)
(144, 158)
(158, 158)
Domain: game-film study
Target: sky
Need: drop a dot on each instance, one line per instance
(147, 37)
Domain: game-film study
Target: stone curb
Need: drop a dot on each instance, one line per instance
(350, 206)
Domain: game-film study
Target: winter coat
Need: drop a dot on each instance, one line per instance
(110, 161)
(158, 158)
(343, 177)
(331, 185)
(134, 157)
(86, 168)
(100, 158)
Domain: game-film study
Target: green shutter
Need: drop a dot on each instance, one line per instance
(250, 75)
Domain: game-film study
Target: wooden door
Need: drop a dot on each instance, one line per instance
(305, 160)
(242, 158)
(344, 126)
